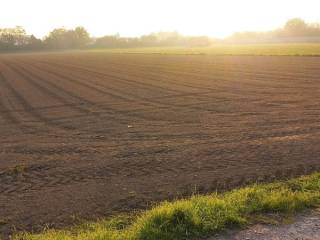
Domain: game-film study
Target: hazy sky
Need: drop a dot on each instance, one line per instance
(136, 17)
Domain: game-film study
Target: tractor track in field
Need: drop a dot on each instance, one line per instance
(157, 101)
(81, 107)
(22, 101)
(6, 111)
(102, 106)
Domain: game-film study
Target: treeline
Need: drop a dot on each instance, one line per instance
(295, 30)
(160, 39)
(17, 39)
(14, 39)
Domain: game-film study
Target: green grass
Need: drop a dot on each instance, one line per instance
(286, 49)
(198, 216)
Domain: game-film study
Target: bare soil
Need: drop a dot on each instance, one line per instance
(88, 135)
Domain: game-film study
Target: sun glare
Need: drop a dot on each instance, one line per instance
(132, 18)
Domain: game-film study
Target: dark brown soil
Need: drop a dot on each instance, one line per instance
(87, 135)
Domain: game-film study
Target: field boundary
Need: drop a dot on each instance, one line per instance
(221, 49)
(198, 216)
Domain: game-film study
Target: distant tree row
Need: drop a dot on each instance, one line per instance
(17, 39)
(61, 38)
(295, 30)
(12, 39)
(161, 39)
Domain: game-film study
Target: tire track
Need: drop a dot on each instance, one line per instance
(144, 101)
(220, 67)
(37, 177)
(129, 82)
(154, 102)
(168, 81)
(86, 85)
(29, 76)
(111, 111)
(154, 73)
(32, 110)
(182, 94)
(198, 105)
(6, 113)
(256, 77)
(28, 108)
(91, 87)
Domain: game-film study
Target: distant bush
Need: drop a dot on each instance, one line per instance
(160, 39)
(295, 30)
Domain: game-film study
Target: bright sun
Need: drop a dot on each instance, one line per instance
(132, 18)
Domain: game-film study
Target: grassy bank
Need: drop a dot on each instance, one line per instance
(283, 49)
(198, 216)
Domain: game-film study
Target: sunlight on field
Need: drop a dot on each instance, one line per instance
(157, 120)
(303, 49)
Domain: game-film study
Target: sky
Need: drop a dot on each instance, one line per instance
(215, 18)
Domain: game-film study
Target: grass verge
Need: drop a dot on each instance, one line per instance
(198, 216)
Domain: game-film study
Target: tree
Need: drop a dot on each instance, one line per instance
(34, 43)
(13, 38)
(82, 37)
(57, 38)
(62, 38)
(296, 27)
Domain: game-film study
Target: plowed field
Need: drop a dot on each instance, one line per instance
(87, 135)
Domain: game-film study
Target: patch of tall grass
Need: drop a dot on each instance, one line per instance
(198, 216)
